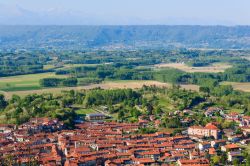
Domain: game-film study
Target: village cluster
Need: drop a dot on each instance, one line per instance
(46, 142)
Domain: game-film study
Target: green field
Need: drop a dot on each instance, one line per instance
(47, 67)
(165, 103)
(25, 82)
(83, 112)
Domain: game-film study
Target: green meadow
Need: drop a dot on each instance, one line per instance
(24, 82)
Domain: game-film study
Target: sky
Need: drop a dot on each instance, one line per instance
(125, 12)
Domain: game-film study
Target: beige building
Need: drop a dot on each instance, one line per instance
(93, 117)
(207, 131)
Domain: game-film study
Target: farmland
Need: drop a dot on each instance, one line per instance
(24, 82)
(241, 86)
(133, 84)
(215, 68)
(104, 85)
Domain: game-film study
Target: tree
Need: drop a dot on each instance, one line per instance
(50, 82)
(236, 162)
(8, 160)
(3, 102)
(223, 158)
(70, 82)
(15, 98)
(149, 108)
(172, 122)
(135, 113)
(121, 115)
(204, 89)
(247, 160)
(238, 131)
(215, 159)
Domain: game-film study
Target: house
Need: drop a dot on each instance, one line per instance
(228, 132)
(196, 154)
(233, 152)
(143, 123)
(232, 157)
(6, 128)
(246, 130)
(167, 158)
(245, 121)
(95, 117)
(115, 162)
(36, 125)
(143, 161)
(211, 111)
(231, 148)
(235, 138)
(186, 121)
(218, 143)
(234, 116)
(154, 155)
(211, 151)
(200, 162)
(245, 141)
(204, 145)
(209, 130)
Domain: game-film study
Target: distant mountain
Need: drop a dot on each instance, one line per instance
(112, 37)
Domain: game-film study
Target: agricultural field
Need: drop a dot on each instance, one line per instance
(133, 84)
(215, 68)
(104, 85)
(68, 66)
(241, 86)
(25, 82)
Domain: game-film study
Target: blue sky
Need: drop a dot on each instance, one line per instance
(202, 12)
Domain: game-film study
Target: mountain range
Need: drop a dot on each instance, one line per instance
(151, 36)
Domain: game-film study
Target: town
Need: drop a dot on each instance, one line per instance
(124, 83)
(45, 141)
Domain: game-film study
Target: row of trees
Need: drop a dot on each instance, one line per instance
(54, 82)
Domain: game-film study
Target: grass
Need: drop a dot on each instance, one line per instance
(47, 67)
(24, 82)
(165, 103)
(83, 112)
(246, 147)
(215, 68)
